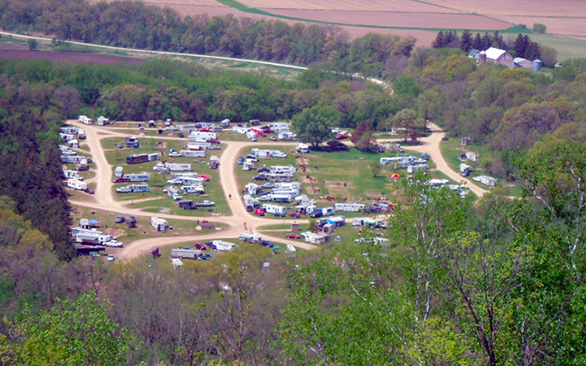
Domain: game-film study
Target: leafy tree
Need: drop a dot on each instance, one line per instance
(71, 333)
(375, 168)
(314, 125)
(32, 44)
(409, 120)
(539, 28)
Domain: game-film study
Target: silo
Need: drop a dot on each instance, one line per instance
(537, 65)
(482, 57)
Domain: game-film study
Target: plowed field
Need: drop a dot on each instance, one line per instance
(22, 52)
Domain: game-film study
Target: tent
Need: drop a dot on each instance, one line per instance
(93, 222)
(395, 176)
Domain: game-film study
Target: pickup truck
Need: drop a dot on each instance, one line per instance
(205, 203)
(123, 190)
(113, 243)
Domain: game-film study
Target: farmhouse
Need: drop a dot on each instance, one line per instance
(496, 56)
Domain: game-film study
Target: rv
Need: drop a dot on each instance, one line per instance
(96, 237)
(85, 120)
(184, 175)
(118, 172)
(193, 181)
(282, 169)
(336, 220)
(76, 184)
(71, 174)
(206, 136)
(281, 198)
(223, 245)
(275, 210)
(131, 142)
(280, 127)
(172, 167)
(159, 224)
(137, 177)
(137, 158)
(102, 121)
(185, 253)
(279, 177)
(153, 157)
(250, 238)
(349, 207)
(186, 127)
(412, 169)
(315, 238)
(136, 188)
(192, 189)
(193, 153)
(302, 148)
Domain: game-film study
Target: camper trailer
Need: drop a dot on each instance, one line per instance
(193, 153)
(137, 188)
(275, 210)
(159, 224)
(349, 207)
(76, 184)
(223, 245)
(137, 177)
(137, 158)
(250, 238)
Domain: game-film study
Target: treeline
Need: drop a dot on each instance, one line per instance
(500, 109)
(187, 92)
(520, 46)
(30, 170)
(136, 25)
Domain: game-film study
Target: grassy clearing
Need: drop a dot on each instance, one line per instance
(213, 190)
(451, 152)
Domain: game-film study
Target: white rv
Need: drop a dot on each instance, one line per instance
(193, 153)
(76, 184)
(137, 177)
(223, 245)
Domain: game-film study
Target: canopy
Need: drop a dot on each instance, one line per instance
(395, 176)
(93, 222)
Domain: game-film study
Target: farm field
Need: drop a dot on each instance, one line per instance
(22, 52)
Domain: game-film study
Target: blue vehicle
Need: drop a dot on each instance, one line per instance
(240, 160)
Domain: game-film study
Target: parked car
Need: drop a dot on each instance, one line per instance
(110, 257)
(133, 218)
(293, 236)
(266, 243)
(260, 177)
(120, 146)
(175, 154)
(90, 190)
(82, 168)
(295, 215)
(259, 212)
(267, 185)
(214, 141)
(316, 214)
(113, 243)
(180, 134)
(264, 170)
(119, 180)
(205, 129)
(341, 137)
(204, 177)
(272, 138)
(174, 181)
(176, 197)
(123, 190)
(444, 139)
(200, 246)
(119, 219)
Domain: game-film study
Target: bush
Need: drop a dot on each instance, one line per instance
(539, 28)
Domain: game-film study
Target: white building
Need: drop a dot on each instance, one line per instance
(159, 224)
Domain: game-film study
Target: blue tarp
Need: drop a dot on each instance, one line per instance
(93, 222)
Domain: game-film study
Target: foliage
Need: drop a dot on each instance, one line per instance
(314, 125)
(32, 44)
(71, 333)
(376, 168)
(539, 28)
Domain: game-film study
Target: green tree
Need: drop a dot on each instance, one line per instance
(410, 121)
(314, 125)
(539, 28)
(72, 333)
(32, 44)
(375, 168)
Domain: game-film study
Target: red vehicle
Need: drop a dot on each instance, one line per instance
(204, 177)
(295, 215)
(293, 236)
(205, 129)
(200, 246)
(213, 141)
(341, 137)
(119, 180)
(259, 212)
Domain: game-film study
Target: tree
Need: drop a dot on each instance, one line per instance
(314, 125)
(375, 168)
(539, 28)
(32, 44)
(79, 333)
(367, 142)
(409, 120)
(466, 41)
(362, 128)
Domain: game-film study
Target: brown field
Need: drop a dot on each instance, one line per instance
(411, 20)
(21, 52)
(370, 5)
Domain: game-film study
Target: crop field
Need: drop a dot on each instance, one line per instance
(420, 19)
